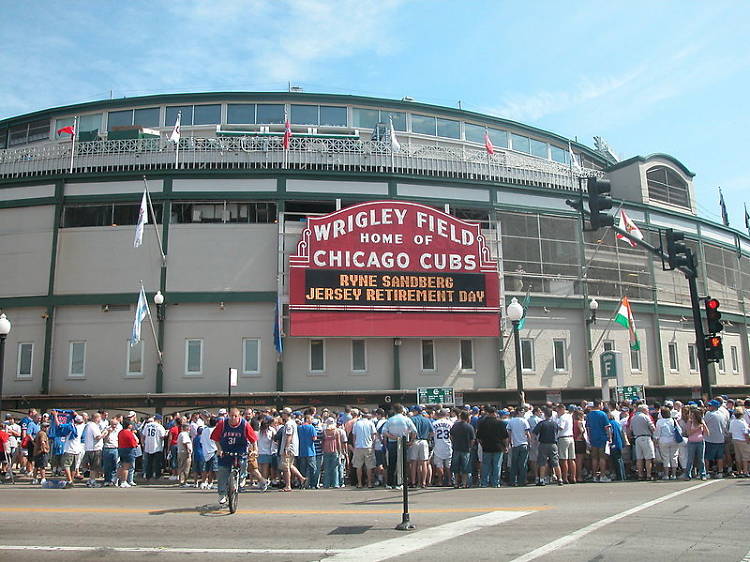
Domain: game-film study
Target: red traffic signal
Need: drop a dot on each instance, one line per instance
(714, 341)
(713, 315)
(712, 304)
(714, 349)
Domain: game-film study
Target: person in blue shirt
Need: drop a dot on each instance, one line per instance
(619, 440)
(199, 459)
(307, 435)
(420, 470)
(600, 433)
(318, 443)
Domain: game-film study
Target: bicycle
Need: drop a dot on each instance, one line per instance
(233, 486)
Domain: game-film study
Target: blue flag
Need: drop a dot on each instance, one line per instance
(525, 304)
(723, 205)
(278, 339)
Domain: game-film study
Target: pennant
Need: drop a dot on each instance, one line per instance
(723, 205)
(488, 143)
(175, 136)
(278, 339)
(287, 134)
(69, 130)
(525, 304)
(624, 317)
(395, 146)
(142, 222)
(627, 224)
(573, 160)
(141, 311)
(747, 219)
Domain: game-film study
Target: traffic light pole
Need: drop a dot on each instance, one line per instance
(700, 339)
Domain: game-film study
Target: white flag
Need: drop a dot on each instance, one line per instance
(175, 136)
(142, 221)
(573, 160)
(395, 146)
(141, 310)
(627, 224)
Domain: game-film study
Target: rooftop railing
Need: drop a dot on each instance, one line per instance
(268, 153)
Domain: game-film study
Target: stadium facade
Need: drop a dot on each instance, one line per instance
(232, 205)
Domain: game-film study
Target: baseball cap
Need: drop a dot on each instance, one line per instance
(222, 411)
(131, 414)
(504, 412)
(286, 411)
(78, 419)
(158, 416)
(669, 403)
(475, 408)
(714, 403)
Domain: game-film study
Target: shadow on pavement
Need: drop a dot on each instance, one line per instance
(208, 510)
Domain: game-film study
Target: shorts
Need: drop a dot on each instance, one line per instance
(741, 453)
(460, 463)
(597, 454)
(714, 451)
(440, 462)
(211, 464)
(644, 448)
(127, 455)
(92, 460)
(252, 462)
(286, 462)
(419, 451)
(364, 456)
(548, 455)
(566, 448)
(265, 459)
(380, 457)
(581, 447)
(41, 460)
(69, 460)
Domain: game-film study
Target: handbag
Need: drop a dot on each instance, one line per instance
(677, 433)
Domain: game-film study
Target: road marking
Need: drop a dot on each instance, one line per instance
(156, 549)
(178, 511)
(418, 540)
(575, 535)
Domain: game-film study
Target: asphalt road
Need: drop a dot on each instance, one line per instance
(584, 522)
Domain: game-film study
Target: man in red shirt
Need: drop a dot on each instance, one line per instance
(171, 438)
(4, 450)
(232, 435)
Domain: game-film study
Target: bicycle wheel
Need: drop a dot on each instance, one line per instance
(234, 490)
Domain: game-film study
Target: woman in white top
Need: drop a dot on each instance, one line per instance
(668, 447)
(266, 446)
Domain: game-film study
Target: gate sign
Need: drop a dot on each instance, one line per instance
(438, 395)
(392, 269)
(635, 392)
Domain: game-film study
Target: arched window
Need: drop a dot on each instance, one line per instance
(664, 184)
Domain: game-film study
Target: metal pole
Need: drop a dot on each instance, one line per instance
(519, 375)
(700, 340)
(229, 390)
(2, 367)
(406, 524)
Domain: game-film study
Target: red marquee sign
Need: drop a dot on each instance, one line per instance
(392, 269)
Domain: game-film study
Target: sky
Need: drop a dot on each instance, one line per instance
(667, 76)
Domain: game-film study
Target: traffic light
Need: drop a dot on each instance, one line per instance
(599, 200)
(713, 316)
(678, 254)
(714, 349)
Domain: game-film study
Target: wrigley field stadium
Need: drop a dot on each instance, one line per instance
(339, 250)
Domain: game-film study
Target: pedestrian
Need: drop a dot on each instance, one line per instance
(520, 433)
(696, 431)
(462, 436)
(566, 445)
(740, 432)
(600, 437)
(289, 449)
(419, 451)
(395, 428)
(110, 452)
(92, 456)
(307, 435)
(619, 442)
(153, 434)
(363, 441)
(669, 449)
(546, 431)
(442, 450)
(642, 429)
(333, 451)
(492, 434)
(718, 426)
(127, 441)
(210, 458)
(41, 454)
(184, 454)
(580, 442)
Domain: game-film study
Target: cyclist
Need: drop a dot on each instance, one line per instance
(234, 435)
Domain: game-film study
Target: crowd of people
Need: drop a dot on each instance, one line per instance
(461, 447)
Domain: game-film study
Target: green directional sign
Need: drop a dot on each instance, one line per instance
(635, 392)
(435, 395)
(610, 364)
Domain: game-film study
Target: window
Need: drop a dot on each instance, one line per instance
(467, 355)
(448, 128)
(735, 359)
(304, 114)
(206, 114)
(317, 356)
(241, 113)
(527, 354)
(270, 113)
(722, 366)
(423, 124)
(223, 212)
(635, 360)
(251, 356)
(135, 359)
(428, 355)
(666, 185)
(559, 355)
(173, 111)
(692, 358)
(77, 359)
(520, 143)
(110, 214)
(28, 132)
(25, 356)
(144, 117)
(609, 345)
(3, 138)
(193, 357)
(332, 116)
(119, 119)
(86, 124)
(368, 118)
(538, 148)
(674, 364)
(359, 356)
(559, 154)
(475, 133)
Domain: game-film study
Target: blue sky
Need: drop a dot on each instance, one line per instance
(668, 76)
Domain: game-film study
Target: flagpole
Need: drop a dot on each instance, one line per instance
(153, 329)
(73, 142)
(153, 216)
(606, 329)
(177, 144)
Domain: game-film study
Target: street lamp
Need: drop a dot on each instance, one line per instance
(515, 313)
(159, 302)
(4, 331)
(593, 307)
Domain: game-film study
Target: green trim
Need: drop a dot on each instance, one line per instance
(49, 321)
(165, 220)
(128, 298)
(281, 186)
(648, 158)
(396, 365)
(38, 202)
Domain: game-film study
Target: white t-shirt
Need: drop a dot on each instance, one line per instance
(518, 426)
(91, 437)
(13, 440)
(362, 432)
(265, 440)
(739, 429)
(665, 430)
(291, 439)
(184, 442)
(207, 444)
(194, 425)
(716, 427)
(565, 425)
(153, 437)
(442, 430)
(74, 445)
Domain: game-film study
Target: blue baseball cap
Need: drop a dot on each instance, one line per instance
(714, 403)
(475, 408)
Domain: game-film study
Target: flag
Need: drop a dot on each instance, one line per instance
(627, 224)
(287, 134)
(723, 205)
(395, 146)
(573, 160)
(488, 143)
(747, 219)
(141, 311)
(142, 222)
(70, 130)
(525, 304)
(624, 317)
(278, 340)
(175, 136)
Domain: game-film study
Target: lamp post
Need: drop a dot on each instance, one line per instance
(593, 307)
(159, 302)
(515, 313)
(160, 315)
(4, 331)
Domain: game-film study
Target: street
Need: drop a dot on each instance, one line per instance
(617, 521)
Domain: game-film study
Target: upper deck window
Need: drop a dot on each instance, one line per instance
(664, 184)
